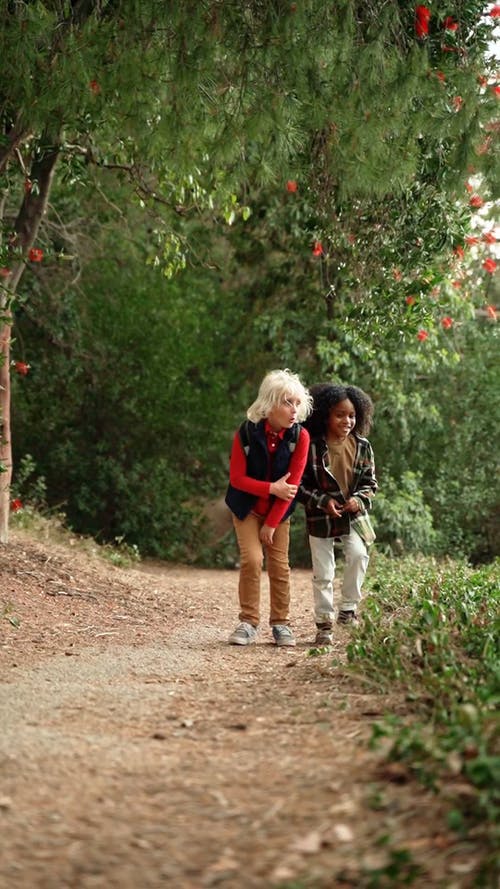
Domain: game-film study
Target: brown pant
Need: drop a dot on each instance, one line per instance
(251, 561)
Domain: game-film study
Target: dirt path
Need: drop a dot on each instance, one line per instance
(138, 750)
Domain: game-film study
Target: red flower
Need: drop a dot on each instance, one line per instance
(489, 265)
(440, 76)
(422, 16)
(458, 102)
(450, 24)
(489, 238)
(28, 185)
(468, 186)
(447, 322)
(494, 12)
(422, 336)
(410, 300)
(456, 284)
(35, 254)
(4, 273)
(95, 87)
(459, 251)
(482, 80)
(317, 248)
(496, 90)
(397, 275)
(476, 201)
(291, 185)
(21, 368)
(484, 147)
(15, 505)
(491, 312)
(471, 240)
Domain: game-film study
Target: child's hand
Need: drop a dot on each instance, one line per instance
(334, 508)
(351, 505)
(282, 489)
(266, 535)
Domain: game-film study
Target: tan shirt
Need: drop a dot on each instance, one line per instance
(342, 455)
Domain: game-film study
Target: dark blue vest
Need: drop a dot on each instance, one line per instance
(258, 457)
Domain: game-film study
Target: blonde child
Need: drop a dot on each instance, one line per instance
(268, 456)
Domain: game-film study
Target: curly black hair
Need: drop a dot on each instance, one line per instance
(326, 396)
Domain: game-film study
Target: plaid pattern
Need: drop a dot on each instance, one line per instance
(318, 486)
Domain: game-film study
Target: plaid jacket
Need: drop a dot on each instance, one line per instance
(318, 486)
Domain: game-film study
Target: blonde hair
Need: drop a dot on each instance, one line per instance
(275, 387)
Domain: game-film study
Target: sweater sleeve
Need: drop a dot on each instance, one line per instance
(237, 472)
(296, 468)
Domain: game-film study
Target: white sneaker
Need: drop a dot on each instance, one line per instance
(244, 634)
(283, 636)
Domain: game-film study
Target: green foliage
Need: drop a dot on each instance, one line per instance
(197, 121)
(30, 487)
(431, 629)
(403, 520)
(130, 423)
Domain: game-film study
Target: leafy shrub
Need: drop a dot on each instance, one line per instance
(431, 629)
(403, 520)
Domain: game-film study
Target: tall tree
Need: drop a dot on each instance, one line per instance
(193, 100)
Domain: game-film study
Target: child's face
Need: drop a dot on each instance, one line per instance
(284, 415)
(342, 420)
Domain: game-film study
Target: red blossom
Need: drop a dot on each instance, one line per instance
(317, 248)
(496, 90)
(468, 186)
(95, 87)
(450, 24)
(456, 284)
(484, 147)
(422, 16)
(447, 322)
(28, 185)
(491, 312)
(15, 505)
(458, 102)
(291, 185)
(440, 76)
(410, 300)
(476, 201)
(21, 368)
(422, 336)
(471, 240)
(35, 254)
(489, 238)
(397, 275)
(489, 265)
(459, 251)
(482, 80)
(494, 12)
(4, 273)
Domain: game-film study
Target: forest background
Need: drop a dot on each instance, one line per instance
(196, 193)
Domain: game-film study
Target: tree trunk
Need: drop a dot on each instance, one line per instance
(26, 229)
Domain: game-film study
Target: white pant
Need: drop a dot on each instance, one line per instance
(323, 565)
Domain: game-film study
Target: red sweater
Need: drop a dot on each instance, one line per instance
(272, 509)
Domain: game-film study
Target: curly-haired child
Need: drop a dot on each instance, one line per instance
(337, 490)
(268, 456)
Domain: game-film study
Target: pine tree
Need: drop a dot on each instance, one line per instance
(197, 99)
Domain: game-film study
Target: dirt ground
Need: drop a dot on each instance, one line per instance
(139, 750)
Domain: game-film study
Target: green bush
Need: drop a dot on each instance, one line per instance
(402, 519)
(431, 630)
